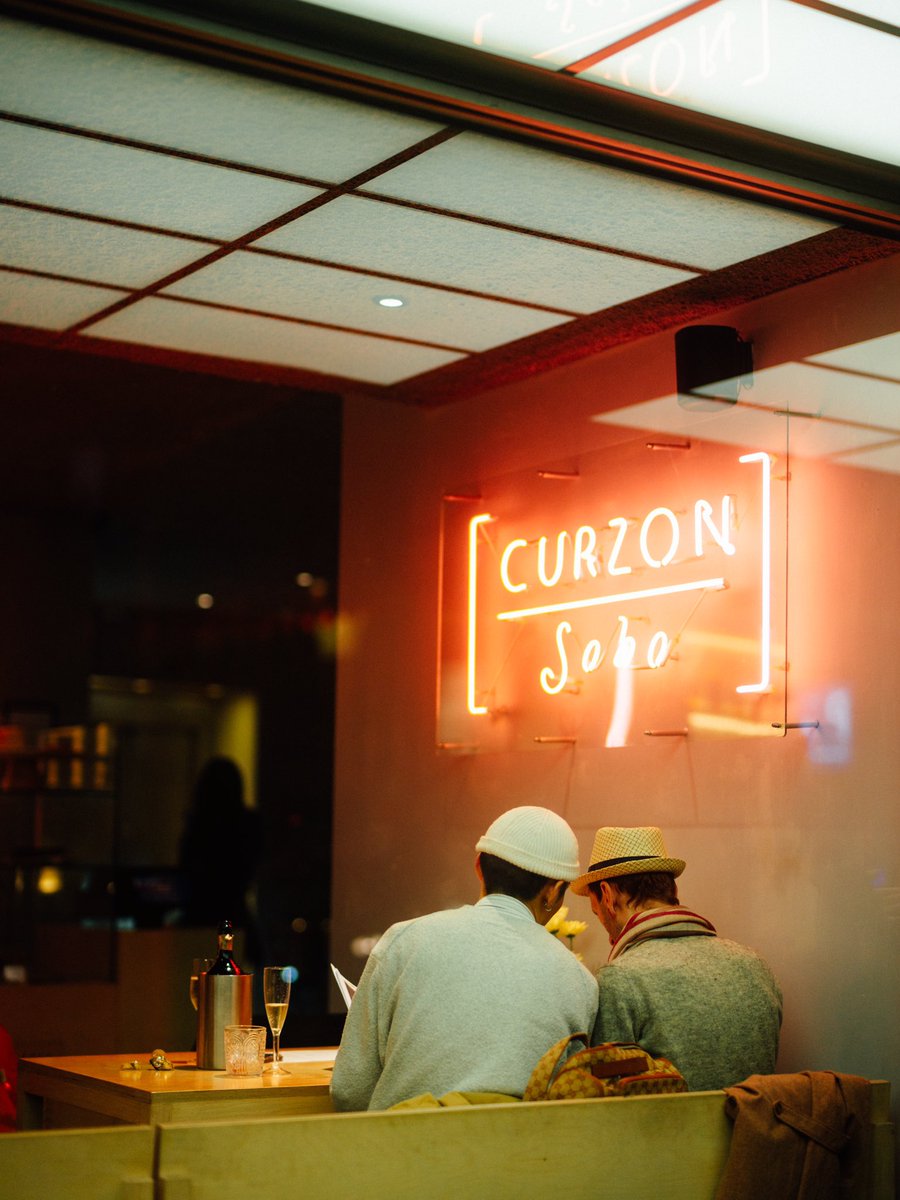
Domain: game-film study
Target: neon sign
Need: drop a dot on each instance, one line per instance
(474, 708)
(610, 578)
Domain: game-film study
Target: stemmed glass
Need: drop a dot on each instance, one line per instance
(277, 996)
(199, 967)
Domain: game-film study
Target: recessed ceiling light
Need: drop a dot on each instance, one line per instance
(390, 301)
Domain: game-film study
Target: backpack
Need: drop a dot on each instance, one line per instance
(609, 1069)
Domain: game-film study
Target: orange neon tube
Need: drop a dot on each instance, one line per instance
(474, 525)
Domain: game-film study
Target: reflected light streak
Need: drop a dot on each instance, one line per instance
(623, 705)
(474, 525)
(765, 630)
(713, 585)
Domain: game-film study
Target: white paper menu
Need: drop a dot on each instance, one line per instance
(347, 989)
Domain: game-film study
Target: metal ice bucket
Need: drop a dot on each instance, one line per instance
(221, 1000)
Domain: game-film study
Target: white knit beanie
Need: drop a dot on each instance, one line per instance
(536, 839)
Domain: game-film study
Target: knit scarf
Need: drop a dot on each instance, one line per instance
(660, 923)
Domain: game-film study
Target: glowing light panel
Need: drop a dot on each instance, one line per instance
(828, 75)
(771, 64)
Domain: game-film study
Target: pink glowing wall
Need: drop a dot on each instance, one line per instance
(792, 841)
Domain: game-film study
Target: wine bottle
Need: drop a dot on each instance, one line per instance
(225, 964)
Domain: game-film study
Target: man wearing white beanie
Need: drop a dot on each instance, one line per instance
(468, 999)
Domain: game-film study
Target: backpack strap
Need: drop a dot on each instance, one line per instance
(542, 1075)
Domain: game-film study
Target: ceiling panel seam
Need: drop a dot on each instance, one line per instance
(75, 214)
(354, 186)
(60, 277)
(689, 10)
(486, 222)
(639, 35)
(230, 164)
(497, 297)
(402, 156)
(846, 14)
(129, 143)
(135, 295)
(265, 252)
(63, 277)
(259, 231)
(292, 320)
(544, 235)
(198, 264)
(675, 137)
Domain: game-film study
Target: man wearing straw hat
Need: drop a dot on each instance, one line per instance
(467, 1000)
(671, 984)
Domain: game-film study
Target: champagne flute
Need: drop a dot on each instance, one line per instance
(277, 995)
(199, 967)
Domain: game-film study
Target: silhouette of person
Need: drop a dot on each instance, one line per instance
(220, 851)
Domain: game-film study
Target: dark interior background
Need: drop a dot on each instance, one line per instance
(129, 489)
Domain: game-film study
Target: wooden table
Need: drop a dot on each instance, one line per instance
(74, 1092)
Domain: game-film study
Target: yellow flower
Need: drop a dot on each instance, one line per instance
(556, 920)
(560, 927)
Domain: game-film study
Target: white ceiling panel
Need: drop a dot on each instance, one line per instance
(837, 395)
(90, 250)
(523, 186)
(133, 93)
(464, 254)
(804, 68)
(878, 356)
(506, 27)
(778, 66)
(737, 425)
(48, 303)
(487, 241)
(744, 424)
(199, 330)
(349, 298)
(96, 177)
(552, 33)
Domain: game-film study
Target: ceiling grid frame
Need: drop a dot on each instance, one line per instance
(488, 364)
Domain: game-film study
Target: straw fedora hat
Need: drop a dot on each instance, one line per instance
(619, 851)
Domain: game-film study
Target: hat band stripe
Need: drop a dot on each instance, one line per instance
(614, 862)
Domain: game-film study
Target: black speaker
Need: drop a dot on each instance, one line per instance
(714, 358)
